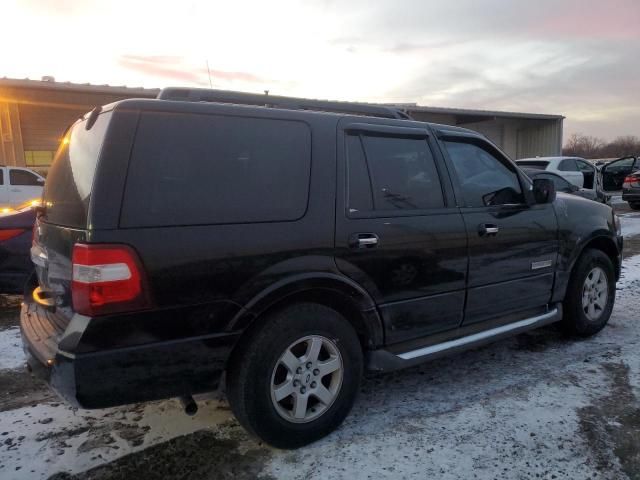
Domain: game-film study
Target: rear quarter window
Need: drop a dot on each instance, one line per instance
(193, 169)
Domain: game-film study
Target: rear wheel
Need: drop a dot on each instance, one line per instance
(295, 378)
(590, 294)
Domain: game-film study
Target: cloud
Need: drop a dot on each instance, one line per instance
(176, 68)
(164, 67)
(592, 19)
(578, 58)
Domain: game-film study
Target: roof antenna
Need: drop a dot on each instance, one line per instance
(209, 73)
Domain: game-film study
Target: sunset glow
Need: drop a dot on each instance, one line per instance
(576, 58)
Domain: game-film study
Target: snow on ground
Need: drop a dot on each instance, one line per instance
(617, 200)
(630, 224)
(12, 355)
(535, 406)
(49, 438)
(630, 276)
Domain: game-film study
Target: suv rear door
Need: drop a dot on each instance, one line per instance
(398, 231)
(512, 245)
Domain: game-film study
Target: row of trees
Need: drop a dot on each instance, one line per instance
(587, 146)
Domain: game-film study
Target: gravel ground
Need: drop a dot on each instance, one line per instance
(538, 405)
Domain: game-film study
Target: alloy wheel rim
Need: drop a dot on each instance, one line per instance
(307, 379)
(595, 294)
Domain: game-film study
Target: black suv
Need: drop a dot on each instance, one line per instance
(189, 236)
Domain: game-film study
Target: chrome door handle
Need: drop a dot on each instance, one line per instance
(364, 240)
(488, 229)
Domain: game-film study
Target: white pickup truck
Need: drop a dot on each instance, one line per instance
(18, 184)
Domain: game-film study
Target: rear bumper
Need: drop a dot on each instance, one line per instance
(631, 195)
(111, 377)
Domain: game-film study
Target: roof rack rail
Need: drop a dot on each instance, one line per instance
(266, 100)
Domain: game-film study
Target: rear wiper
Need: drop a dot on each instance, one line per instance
(93, 116)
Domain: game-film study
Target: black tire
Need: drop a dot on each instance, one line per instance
(575, 319)
(634, 206)
(252, 365)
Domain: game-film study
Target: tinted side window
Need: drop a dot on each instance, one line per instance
(359, 184)
(618, 166)
(568, 165)
(484, 179)
(22, 177)
(189, 169)
(403, 173)
(1, 176)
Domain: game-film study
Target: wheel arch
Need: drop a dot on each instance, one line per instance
(605, 244)
(342, 294)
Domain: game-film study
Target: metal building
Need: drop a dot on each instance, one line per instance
(520, 135)
(35, 113)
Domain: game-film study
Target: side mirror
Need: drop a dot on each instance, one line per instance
(40, 180)
(574, 188)
(544, 191)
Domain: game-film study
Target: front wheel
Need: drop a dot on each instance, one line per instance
(295, 378)
(590, 294)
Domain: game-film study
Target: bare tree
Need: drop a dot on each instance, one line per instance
(583, 146)
(622, 146)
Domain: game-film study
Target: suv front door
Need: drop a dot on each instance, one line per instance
(512, 245)
(399, 233)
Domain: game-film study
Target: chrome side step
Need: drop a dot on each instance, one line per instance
(383, 360)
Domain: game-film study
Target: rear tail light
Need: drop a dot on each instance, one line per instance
(107, 279)
(630, 179)
(10, 233)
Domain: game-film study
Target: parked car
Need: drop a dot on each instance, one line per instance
(562, 185)
(290, 250)
(16, 225)
(19, 185)
(576, 170)
(614, 173)
(631, 190)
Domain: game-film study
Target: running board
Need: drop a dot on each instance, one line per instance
(383, 360)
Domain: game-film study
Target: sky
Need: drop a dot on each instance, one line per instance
(577, 58)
